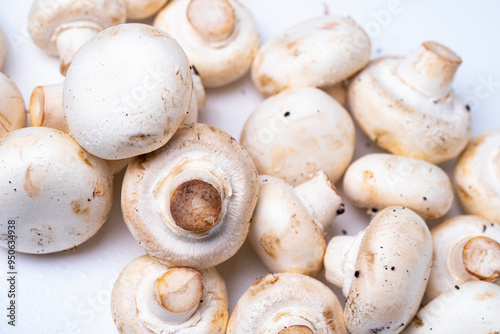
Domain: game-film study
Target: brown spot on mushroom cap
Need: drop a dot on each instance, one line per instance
(99, 189)
(267, 83)
(481, 258)
(80, 207)
(179, 290)
(417, 322)
(31, 182)
(296, 329)
(330, 25)
(83, 157)
(486, 295)
(211, 18)
(263, 283)
(271, 244)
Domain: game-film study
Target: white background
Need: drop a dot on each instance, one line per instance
(69, 292)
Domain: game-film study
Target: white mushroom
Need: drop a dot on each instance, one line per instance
(12, 112)
(382, 271)
(406, 105)
(2, 48)
(57, 195)
(477, 176)
(219, 36)
(189, 203)
(473, 308)
(127, 91)
(376, 181)
(60, 28)
(287, 304)
(141, 9)
(297, 132)
(287, 221)
(318, 53)
(150, 297)
(466, 248)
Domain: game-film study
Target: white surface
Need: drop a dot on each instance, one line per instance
(69, 292)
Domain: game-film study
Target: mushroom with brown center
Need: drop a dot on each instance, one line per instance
(12, 112)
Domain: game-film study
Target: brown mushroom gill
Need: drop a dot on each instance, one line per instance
(481, 258)
(179, 290)
(212, 19)
(296, 329)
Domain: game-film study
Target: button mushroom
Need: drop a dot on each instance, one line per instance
(376, 181)
(219, 36)
(189, 203)
(287, 304)
(297, 132)
(57, 194)
(150, 297)
(60, 28)
(477, 176)
(319, 53)
(406, 105)
(472, 308)
(382, 271)
(127, 91)
(288, 220)
(466, 248)
(141, 9)
(2, 48)
(12, 112)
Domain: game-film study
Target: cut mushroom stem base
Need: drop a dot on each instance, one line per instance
(46, 108)
(481, 258)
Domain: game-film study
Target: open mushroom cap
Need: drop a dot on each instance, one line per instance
(376, 181)
(12, 110)
(141, 9)
(466, 248)
(2, 48)
(297, 132)
(58, 194)
(189, 203)
(477, 176)
(150, 297)
(140, 90)
(220, 37)
(287, 303)
(472, 308)
(316, 53)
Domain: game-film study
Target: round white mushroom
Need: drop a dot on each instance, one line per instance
(297, 132)
(141, 9)
(189, 203)
(2, 48)
(60, 28)
(287, 304)
(318, 53)
(220, 37)
(150, 297)
(56, 194)
(406, 105)
(127, 91)
(12, 112)
(382, 271)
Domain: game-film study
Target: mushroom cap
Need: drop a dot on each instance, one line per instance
(195, 149)
(132, 301)
(141, 9)
(318, 53)
(219, 61)
(12, 110)
(380, 180)
(473, 308)
(47, 18)
(297, 132)
(279, 301)
(2, 48)
(58, 194)
(477, 176)
(127, 91)
(448, 263)
(403, 121)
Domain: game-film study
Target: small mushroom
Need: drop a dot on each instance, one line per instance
(477, 176)
(287, 220)
(406, 105)
(12, 112)
(56, 194)
(60, 28)
(127, 91)
(220, 37)
(297, 132)
(287, 304)
(472, 308)
(317, 53)
(376, 181)
(150, 297)
(189, 203)
(382, 271)
(2, 48)
(141, 9)
(466, 248)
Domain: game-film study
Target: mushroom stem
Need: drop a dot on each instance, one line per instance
(321, 198)
(296, 329)
(481, 258)
(46, 108)
(213, 20)
(430, 70)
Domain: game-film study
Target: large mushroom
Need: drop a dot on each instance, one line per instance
(189, 203)
(153, 298)
(141, 9)
(220, 37)
(54, 192)
(2, 48)
(287, 304)
(406, 105)
(382, 271)
(12, 112)
(60, 28)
